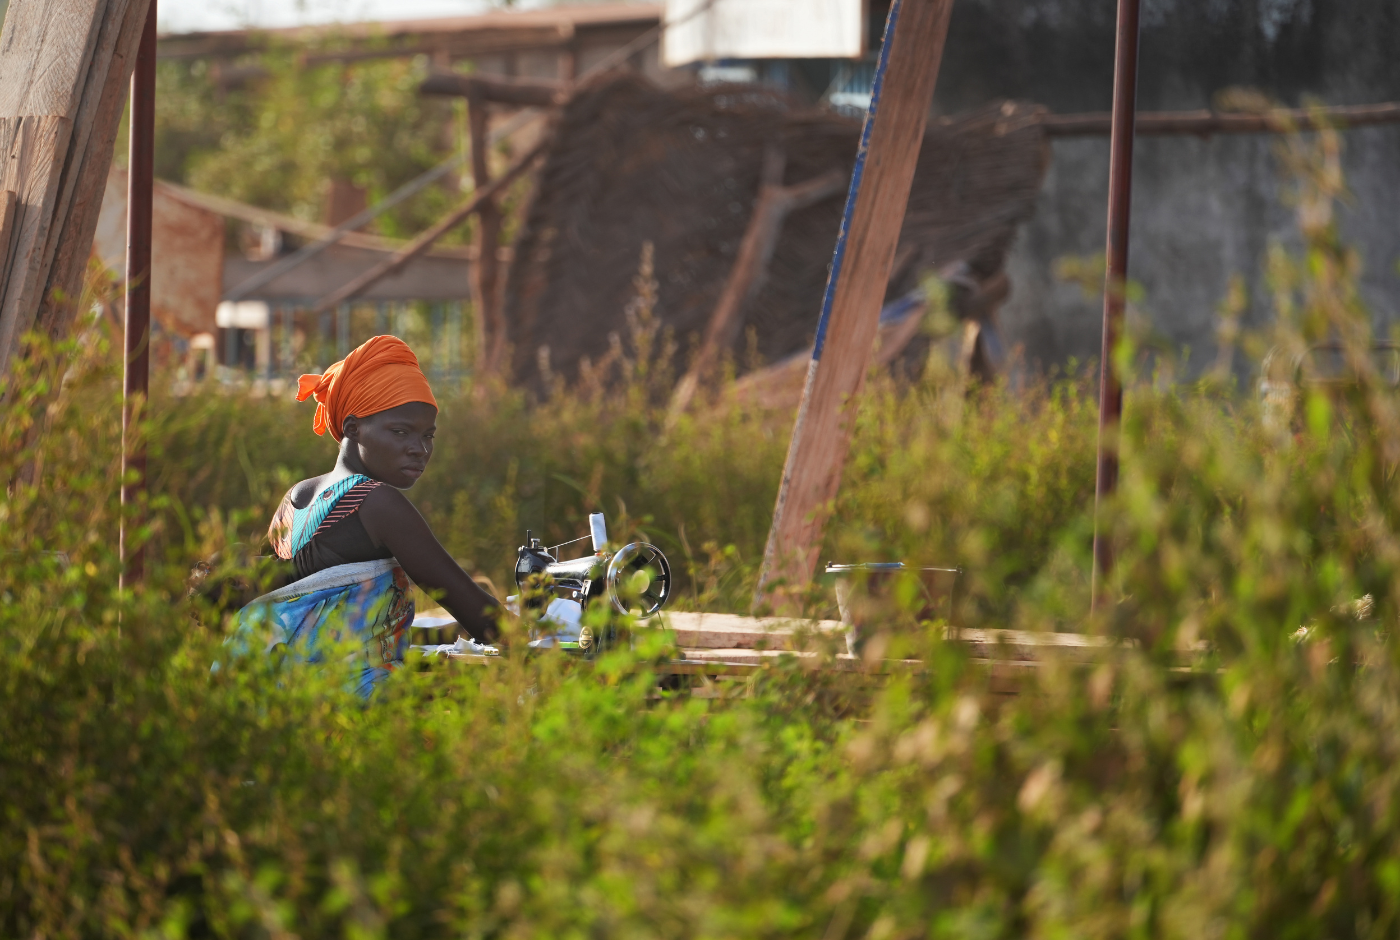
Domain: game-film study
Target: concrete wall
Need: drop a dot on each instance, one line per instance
(1203, 209)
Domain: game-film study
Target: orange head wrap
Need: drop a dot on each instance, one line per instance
(381, 374)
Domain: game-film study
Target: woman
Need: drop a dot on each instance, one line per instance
(353, 538)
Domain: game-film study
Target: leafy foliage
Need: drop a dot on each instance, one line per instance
(1226, 768)
(277, 129)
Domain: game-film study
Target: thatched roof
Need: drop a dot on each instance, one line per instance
(631, 162)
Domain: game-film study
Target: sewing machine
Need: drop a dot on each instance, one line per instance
(635, 579)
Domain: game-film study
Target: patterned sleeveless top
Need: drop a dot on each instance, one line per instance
(294, 530)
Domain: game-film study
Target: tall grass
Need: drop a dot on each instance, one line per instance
(1251, 792)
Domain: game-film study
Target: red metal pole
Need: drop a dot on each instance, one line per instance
(1120, 191)
(136, 377)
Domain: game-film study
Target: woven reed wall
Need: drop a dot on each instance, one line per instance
(631, 162)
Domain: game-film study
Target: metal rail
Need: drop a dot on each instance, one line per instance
(1204, 123)
(1120, 191)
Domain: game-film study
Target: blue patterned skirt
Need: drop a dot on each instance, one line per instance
(359, 612)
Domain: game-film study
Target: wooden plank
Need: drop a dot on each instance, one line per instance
(497, 30)
(45, 52)
(486, 280)
(32, 171)
(523, 92)
(708, 636)
(425, 241)
(714, 645)
(89, 160)
(268, 218)
(63, 65)
(700, 630)
(865, 249)
(8, 201)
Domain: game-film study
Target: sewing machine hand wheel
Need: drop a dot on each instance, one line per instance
(639, 579)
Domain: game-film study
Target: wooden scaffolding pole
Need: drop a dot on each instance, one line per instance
(880, 183)
(1120, 192)
(490, 325)
(136, 376)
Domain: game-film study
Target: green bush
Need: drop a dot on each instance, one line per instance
(1227, 770)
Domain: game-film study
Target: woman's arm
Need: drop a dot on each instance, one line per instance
(392, 521)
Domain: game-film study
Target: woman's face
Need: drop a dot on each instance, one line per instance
(394, 446)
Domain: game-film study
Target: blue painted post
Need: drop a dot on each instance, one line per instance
(880, 183)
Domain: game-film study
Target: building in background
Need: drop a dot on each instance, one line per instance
(1205, 208)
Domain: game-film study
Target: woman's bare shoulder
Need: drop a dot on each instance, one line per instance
(300, 494)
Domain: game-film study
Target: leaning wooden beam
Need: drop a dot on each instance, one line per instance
(775, 202)
(1203, 123)
(267, 218)
(63, 68)
(884, 173)
(534, 93)
(425, 241)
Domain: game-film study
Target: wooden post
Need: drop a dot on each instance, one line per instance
(884, 172)
(775, 201)
(136, 376)
(1120, 191)
(490, 327)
